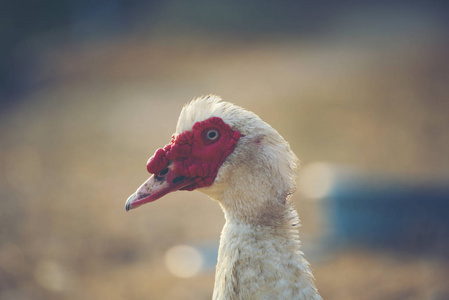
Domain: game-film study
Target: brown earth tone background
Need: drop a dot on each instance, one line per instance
(74, 144)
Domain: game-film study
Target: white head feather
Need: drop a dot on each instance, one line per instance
(262, 156)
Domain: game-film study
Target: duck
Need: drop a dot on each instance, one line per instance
(234, 157)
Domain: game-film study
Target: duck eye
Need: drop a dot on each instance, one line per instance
(212, 135)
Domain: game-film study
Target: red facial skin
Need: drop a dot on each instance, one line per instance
(194, 154)
(190, 161)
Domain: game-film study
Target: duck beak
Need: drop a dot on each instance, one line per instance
(156, 187)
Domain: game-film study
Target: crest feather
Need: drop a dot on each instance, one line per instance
(206, 107)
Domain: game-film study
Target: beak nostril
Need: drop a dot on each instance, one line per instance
(163, 172)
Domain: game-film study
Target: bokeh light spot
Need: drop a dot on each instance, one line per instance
(317, 180)
(183, 261)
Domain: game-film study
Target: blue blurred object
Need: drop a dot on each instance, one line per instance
(391, 213)
(383, 212)
(209, 254)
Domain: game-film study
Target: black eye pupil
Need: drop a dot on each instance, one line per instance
(212, 134)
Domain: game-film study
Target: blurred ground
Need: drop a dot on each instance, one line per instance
(75, 147)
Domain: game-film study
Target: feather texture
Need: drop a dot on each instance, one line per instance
(259, 255)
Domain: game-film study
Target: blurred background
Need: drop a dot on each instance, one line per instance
(89, 89)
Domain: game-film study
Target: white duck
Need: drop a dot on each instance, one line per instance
(240, 161)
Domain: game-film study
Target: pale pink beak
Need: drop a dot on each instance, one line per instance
(157, 186)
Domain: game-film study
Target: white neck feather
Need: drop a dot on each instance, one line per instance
(259, 255)
(260, 260)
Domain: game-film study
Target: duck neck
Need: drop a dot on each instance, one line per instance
(261, 221)
(259, 255)
(265, 229)
(256, 205)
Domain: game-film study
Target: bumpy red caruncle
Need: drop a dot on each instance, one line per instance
(194, 155)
